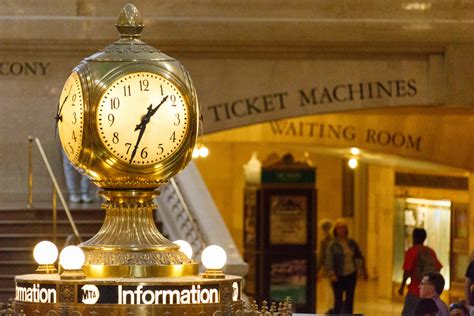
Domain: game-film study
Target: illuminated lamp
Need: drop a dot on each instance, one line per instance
(213, 258)
(72, 259)
(45, 254)
(196, 152)
(184, 247)
(353, 163)
(203, 152)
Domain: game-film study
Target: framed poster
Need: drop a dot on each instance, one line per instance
(289, 278)
(288, 219)
(288, 214)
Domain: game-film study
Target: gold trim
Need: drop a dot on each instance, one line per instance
(214, 274)
(141, 271)
(46, 269)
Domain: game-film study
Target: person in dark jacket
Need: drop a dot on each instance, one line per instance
(343, 260)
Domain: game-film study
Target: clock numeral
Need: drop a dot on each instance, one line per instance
(74, 96)
(161, 149)
(126, 91)
(115, 139)
(144, 85)
(114, 103)
(161, 89)
(128, 145)
(144, 153)
(111, 119)
(178, 121)
(74, 118)
(173, 100)
(173, 137)
(74, 136)
(71, 149)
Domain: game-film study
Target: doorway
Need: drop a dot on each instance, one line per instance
(432, 215)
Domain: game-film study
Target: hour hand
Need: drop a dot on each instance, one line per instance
(145, 119)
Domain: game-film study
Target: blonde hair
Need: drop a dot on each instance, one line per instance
(340, 222)
(325, 224)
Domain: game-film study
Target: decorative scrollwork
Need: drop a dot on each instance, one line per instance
(136, 49)
(66, 293)
(137, 258)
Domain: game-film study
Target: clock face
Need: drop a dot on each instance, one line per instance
(70, 117)
(142, 118)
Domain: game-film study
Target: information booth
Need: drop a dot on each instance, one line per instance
(279, 234)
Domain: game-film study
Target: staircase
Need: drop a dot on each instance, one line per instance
(21, 229)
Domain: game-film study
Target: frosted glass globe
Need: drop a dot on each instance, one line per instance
(45, 252)
(72, 258)
(184, 247)
(214, 257)
(353, 163)
(203, 152)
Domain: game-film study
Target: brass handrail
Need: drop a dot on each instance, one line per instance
(56, 189)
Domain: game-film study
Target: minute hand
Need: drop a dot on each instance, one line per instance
(142, 126)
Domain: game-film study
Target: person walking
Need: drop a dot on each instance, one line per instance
(431, 286)
(469, 286)
(325, 225)
(343, 258)
(78, 185)
(419, 259)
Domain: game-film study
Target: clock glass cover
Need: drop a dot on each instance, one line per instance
(142, 118)
(70, 117)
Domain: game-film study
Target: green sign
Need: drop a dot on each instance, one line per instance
(307, 176)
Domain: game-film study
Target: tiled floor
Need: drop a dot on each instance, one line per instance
(366, 302)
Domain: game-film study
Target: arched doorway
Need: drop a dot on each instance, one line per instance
(434, 143)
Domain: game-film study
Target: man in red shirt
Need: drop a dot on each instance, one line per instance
(419, 259)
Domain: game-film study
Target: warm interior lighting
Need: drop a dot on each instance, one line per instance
(200, 151)
(184, 247)
(429, 202)
(72, 259)
(416, 6)
(203, 151)
(355, 151)
(214, 259)
(45, 254)
(353, 163)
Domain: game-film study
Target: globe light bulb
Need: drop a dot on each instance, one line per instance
(214, 257)
(353, 163)
(72, 258)
(195, 153)
(45, 252)
(203, 152)
(355, 151)
(184, 247)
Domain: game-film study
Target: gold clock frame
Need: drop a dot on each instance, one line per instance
(99, 164)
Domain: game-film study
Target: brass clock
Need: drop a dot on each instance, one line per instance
(142, 118)
(128, 117)
(70, 117)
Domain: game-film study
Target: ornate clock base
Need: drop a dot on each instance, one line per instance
(129, 244)
(49, 295)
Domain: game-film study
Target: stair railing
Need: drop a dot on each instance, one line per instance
(181, 217)
(56, 189)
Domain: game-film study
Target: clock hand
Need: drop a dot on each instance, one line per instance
(59, 111)
(143, 123)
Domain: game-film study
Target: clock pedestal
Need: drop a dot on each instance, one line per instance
(129, 244)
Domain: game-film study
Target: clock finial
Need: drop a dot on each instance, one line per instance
(130, 23)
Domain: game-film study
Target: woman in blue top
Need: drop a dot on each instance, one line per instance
(343, 259)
